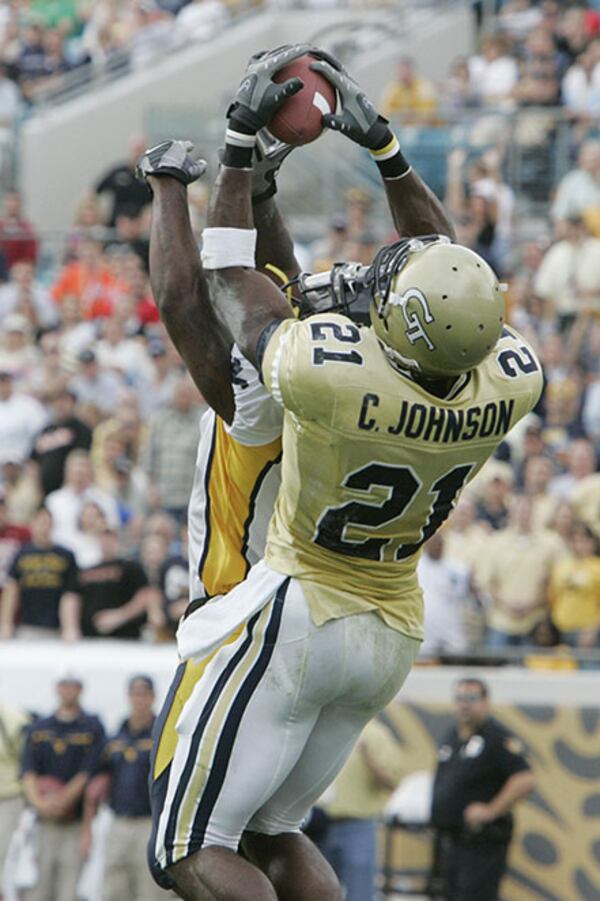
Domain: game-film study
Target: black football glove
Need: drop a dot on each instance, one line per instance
(171, 158)
(358, 119)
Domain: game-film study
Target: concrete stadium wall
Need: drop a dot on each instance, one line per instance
(65, 149)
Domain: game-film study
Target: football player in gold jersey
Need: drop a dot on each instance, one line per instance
(237, 473)
(382, 428)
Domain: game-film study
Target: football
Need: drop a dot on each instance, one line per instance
(298, 120)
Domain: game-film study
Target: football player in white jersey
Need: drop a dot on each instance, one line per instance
(382, 428)
(237, 474)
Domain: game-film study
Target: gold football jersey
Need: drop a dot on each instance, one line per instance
(373, 464)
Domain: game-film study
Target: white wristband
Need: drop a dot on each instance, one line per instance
(225, 247)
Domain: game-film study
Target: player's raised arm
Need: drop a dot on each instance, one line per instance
(274, 245)
(246, 301)
(415, 208)
(176, 275)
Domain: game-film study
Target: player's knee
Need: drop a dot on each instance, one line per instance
(294, 865)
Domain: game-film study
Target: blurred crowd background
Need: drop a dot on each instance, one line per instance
(99, 421)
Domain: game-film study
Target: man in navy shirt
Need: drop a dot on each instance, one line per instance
(42, 584)
(126, 760)
(61, 751)
(481, 775)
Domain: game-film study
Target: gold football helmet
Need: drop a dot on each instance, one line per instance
(437, 308)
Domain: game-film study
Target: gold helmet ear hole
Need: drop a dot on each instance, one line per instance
(480, 327)
(444, 297)
(448, 328)
(455, 269)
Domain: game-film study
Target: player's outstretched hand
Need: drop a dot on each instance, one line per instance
(258, 97)
(173, 159)
(358, 119)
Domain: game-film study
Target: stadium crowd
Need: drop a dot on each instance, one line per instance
(99, 421)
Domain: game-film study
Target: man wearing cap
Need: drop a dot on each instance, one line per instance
(481, 775)
(21, 418)
(42, 583)
(126, 762)
(61, 752)
(53, 444)
(93, 385)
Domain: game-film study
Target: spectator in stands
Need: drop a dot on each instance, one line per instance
(20, 487)
(25, 295)
(12, 538)
(66, 504)
(51, 374)
(466, 537)
(165, 377)
(42, 586)
(569, 275)
(89, 279)
(65, 432)
(518, 17)
(125, 356)
(456, 93)
(446, 591)
(580, 188)
(131, 237)
(581, 86)
(31, 59)
(481, 774)
(329, 249)
(174, 583)
(152, 37)
(76, 334)
(61, 753)
(410, 97)
(575, 590)
(494, 72)
(170, 452)
(353, 805)
(94, 385)
(538, 473)
(357, 209)
(21, 418)
(125, 192)
(496, 482)
(18, 353)
(581, 463)
(12, 734)
(126, 762)
(517, 574)
(114, 595)
(199, 20)
(18, 240)
(10, 104)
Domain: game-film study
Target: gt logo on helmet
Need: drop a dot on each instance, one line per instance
(416, 328)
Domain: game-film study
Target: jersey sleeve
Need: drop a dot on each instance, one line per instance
(517, 371)
(305, 360)
(510, 753)
(258, 419)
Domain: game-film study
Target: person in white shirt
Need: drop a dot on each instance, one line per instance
(493, 73)
(446, 590)
(67, 503)
(21, 418)
(569, 274)
(23, 294)
(580, 188)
